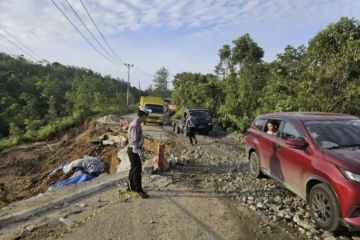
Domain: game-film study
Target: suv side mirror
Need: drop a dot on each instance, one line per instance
(297, 143)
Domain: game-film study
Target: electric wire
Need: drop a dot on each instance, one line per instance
(21, 43)
(144, 72)
(89, 31)
(101, 34)
(18, 47)
(76, 28)
(107, 43)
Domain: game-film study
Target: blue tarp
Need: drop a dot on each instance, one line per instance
(74, 180)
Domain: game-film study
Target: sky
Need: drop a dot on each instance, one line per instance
(181, 35)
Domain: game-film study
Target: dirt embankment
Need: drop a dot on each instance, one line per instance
(24, 169)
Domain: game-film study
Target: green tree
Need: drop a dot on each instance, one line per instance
(243, 83)
(197, 90)
(224, 66)
(161, 80)
(331, 79)
(283, 81)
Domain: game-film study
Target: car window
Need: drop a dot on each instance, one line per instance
(274, 131)
(334, 134)
(289, 131)
(201, 114)
(259, 124)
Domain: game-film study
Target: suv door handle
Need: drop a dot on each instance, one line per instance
(277, 146)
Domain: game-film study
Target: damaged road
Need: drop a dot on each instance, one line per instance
(206, 194)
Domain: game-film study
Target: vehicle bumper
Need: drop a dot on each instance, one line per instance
(204, 128)
(353, 224)
(149, 120)
(350, 204)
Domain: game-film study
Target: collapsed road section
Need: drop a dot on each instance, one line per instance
(213, 173)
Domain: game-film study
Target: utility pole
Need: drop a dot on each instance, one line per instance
(128, 65)
(139, 91)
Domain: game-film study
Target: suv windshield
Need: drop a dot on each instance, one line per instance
(201, 114)
(155, 108)
(335, 134)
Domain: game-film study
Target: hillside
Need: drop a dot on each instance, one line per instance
(37, 101)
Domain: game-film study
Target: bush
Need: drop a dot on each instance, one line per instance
(7, 142)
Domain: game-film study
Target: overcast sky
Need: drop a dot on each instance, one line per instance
(182, 35)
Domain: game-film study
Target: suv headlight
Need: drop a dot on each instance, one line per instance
(350, 175)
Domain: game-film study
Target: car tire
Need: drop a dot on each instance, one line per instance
(177, 129)
(254, 165)
(324, 207)
(161, 123)
(174, 128)
(206, 132)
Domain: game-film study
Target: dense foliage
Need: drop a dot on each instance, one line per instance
(37, 101)
(324, 76)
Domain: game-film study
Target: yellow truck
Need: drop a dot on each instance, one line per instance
(156, 105)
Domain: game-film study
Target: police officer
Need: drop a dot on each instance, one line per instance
(135, 152)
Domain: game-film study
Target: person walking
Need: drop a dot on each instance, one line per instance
(190, 126)
(135, 152)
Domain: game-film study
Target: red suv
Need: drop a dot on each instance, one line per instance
(314, 155)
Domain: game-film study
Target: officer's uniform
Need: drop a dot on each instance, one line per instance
(135, 151)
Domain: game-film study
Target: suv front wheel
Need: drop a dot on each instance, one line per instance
(324, 207)
(254, 165)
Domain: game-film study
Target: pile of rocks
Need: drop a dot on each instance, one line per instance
(230, 176)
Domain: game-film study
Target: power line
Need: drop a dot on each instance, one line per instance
(2, 28)
(87, 40)
(144, 72)
(21, 49)
(107, 43)
(102, 35)
(86, 27)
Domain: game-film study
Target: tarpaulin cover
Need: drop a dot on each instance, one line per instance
(74, 180)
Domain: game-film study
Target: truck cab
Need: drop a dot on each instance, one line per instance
(156, 105)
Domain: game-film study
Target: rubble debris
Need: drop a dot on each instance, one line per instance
(177, 161)
(158, 178)
(107, 140)
(124, 164)
(109, 119)
(148, 170)
(68, 222)
(52, 150)
(30, 228)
